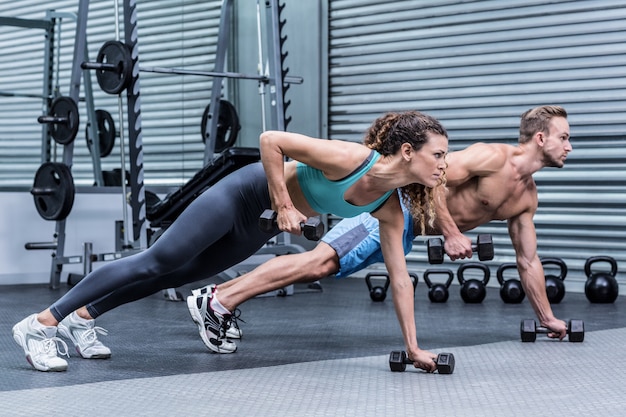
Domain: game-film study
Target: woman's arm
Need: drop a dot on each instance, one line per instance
(336, 159)
(391, 222)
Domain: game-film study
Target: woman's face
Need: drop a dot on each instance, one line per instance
(428, 164)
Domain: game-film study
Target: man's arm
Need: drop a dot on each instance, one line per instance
(524, 239)
(456, 244)
(477, 160)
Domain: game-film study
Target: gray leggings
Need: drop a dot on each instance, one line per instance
(216, 231)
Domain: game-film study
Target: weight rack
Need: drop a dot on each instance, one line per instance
(275, 79)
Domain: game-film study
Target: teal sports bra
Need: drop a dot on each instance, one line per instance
(326, 196)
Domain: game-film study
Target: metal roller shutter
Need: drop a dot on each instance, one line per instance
(477, 66)
(171, 33)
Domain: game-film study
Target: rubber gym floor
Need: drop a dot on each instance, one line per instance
(324, 354)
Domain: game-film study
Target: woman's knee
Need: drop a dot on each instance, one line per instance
(150, 264)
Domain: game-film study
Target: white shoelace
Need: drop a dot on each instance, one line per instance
(53, 345)
(90, 336)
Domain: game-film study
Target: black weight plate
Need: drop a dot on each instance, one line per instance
(53, 191)
(64, 107)
(114, 81)
(227, 126)
(106, 133)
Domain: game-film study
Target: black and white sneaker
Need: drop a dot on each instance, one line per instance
(197, 314)
(212, 326)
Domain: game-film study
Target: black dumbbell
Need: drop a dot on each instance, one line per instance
(398, 361)
(529, 330)
(483, 246)
(312, 229)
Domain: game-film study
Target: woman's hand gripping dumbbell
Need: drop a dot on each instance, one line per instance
(312, 229)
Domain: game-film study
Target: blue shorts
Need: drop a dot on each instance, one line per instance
(357, 242)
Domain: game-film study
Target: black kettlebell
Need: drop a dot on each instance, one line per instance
(473, 291)
(438, 292)
(601, 287)
(511, 290)
(377, 293)
(555, 288)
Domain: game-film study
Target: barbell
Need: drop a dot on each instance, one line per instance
(114, 64)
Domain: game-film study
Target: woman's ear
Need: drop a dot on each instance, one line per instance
(407, 151)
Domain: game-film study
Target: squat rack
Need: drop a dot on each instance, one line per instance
(275, 78)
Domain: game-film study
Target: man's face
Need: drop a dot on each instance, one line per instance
(556, 143)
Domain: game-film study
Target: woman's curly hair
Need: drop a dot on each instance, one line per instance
(387, 134)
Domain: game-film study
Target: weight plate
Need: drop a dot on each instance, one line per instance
(64, 132)
(53, 191)
(114, 81)
(227, 126)
(106, 133)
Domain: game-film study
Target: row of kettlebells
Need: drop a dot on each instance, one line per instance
(601, 286)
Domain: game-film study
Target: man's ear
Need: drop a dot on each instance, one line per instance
(540, 138)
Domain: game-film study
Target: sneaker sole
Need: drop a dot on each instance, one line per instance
(64, 331)
(95, 356)
(18, 336)
(195, 316)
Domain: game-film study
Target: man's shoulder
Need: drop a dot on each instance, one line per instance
(493, 146)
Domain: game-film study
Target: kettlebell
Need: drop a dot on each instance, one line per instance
(555, 288)
(377, 293)
(473, 291)
(511, 290)
(601, 287)
(438, 292)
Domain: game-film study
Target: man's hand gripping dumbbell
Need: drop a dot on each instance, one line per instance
(483, 246)
(312, 229)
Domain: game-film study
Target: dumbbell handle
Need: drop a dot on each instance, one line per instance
(275, 224)
(317, 228)
(474, 249)
(545, 330)
(486, 254)
(575, 330)
(447, 358)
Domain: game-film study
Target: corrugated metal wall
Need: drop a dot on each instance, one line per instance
(477, 66)
(172, 33)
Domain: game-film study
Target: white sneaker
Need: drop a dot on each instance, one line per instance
(84, 334)
(40, 344)
(198, 313)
